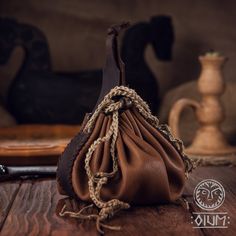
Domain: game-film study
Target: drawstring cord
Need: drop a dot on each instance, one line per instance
(110, 106)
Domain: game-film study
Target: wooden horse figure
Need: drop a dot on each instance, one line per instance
(160, 34)
(37, 95)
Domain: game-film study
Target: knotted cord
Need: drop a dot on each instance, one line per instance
(112, 103)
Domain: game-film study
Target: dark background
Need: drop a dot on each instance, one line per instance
(76, 30)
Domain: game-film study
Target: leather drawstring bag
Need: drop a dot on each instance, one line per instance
(122, 156)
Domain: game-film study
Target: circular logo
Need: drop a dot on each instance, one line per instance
(209, 194)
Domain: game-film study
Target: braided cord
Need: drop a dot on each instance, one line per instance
(109, 105)
(123, 91)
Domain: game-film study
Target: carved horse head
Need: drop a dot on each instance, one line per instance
(31, 39)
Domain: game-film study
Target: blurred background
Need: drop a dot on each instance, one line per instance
(75, 34)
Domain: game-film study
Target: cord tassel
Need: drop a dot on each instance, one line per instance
(111, 106)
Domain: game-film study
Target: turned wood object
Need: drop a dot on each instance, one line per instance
(209, 139)
(34, 144)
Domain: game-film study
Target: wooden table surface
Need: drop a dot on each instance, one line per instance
(31, 207)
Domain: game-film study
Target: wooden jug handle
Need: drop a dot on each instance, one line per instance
(175, 112)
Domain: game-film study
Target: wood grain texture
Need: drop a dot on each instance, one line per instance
(161, 220)
(8, 192)
(34, 212)
(34, 144)
(36, 204)
(227, 177)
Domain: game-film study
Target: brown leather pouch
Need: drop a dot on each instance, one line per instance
(122, 156)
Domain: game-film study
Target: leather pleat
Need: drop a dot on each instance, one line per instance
(151, 170)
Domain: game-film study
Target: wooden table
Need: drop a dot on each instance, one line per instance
(31, 207)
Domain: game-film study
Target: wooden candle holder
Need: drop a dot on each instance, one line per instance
(209, 139)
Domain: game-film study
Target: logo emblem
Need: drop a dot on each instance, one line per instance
(209, 194)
